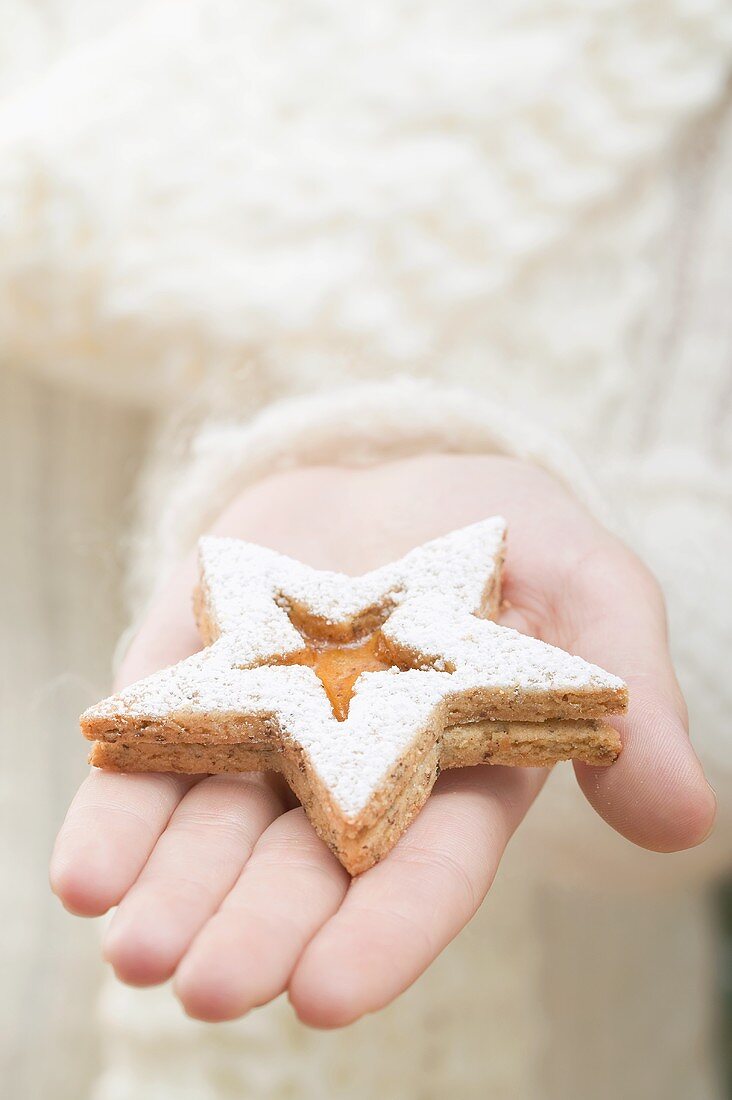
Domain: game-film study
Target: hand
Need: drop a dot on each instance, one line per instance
(221, 881)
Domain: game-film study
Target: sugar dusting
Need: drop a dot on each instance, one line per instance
(433, 594)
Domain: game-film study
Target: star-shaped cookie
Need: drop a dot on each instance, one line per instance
(358, 689)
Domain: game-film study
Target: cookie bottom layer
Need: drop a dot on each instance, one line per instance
(513, 744)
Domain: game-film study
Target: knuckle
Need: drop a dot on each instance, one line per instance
(392, 924)
(440, 863)
(648, 581)
(611, 567)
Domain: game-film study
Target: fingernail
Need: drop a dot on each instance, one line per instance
(715, 804)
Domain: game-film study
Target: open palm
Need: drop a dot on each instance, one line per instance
(221, 880)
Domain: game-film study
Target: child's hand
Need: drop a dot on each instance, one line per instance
(222, 882)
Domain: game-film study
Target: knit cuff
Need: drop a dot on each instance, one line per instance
(355, 426)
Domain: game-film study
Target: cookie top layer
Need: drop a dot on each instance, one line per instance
(426, 606)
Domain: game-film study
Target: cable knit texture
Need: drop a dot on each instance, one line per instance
(523, 210)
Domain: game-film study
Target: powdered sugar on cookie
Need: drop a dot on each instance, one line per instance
(450, 665)
(482, 654)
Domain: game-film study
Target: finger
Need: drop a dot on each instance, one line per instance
(168, 632)
(246, 953)
(397, 917)
(655, 794)
(207, 841)
(110, 829)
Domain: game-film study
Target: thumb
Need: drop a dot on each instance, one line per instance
(655, 794)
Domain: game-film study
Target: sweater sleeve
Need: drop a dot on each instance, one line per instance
(359, 425)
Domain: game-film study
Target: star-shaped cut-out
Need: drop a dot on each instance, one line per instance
(358, 688)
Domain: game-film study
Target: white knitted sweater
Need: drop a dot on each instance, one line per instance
(461, 226)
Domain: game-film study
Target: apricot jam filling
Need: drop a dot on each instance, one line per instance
(339, 666)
